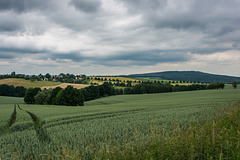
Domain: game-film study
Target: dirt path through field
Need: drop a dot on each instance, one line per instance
(64, 85)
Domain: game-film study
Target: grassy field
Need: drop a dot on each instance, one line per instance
(41, 84)
(27, 83)
(64, 85)
(10, 100)
(111, 121)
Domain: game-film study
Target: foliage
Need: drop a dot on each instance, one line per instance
(6, 90)
(52, 99)
(70, 97)
(215, 85)
(150, 87)
(30, 94)
(43, 97)
(94, 92)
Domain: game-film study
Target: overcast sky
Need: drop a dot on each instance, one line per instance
(111, 37)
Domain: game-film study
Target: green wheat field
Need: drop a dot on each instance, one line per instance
(101, 125)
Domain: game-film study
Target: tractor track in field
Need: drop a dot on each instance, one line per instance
(68, 120)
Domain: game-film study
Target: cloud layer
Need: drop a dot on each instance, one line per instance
(119, 36)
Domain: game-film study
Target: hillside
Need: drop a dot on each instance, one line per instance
(27, 83)
(194, 76)
(41, 84)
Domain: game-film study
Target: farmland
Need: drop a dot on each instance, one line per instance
(111, 120)
(27, 83)
(41, 84)
(101, 80)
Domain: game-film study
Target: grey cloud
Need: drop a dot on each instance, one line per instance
(88, 6)
(4, 55)
(16, 5)
(152, 56)
(26, 5)
(143, 6)
(8, 24)
(140, 58)
(76, 57)
(216, 17)
(22, 51)
(236, 44)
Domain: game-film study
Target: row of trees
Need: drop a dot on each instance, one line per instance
(162, 88)
(69, 96)
(67, 78)
(106, 89)
(74, 97)
(6, 90)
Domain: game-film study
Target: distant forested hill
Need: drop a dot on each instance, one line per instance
(194, 76)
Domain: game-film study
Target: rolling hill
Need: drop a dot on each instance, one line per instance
(194, 76)
(41, 84)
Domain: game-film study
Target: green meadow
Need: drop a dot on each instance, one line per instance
(98, 127)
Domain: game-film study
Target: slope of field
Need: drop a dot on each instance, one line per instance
(41, 84)
(64, 85)
(112, 120)
(27, 83)
(193, 76)
(11, 100)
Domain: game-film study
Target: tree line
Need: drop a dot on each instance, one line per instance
(69, 96)
(76, 97)
(6, 90)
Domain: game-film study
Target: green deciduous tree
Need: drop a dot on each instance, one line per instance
(54, 93)
(43, 97)
(70, 97)
(30, 93)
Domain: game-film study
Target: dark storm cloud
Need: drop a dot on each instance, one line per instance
(140, 58)
(215, 17)
(6, 55)
(9, 22)
(152, 56)
(16, 5)
(7, 25)
(25, 5)
(86, 5)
